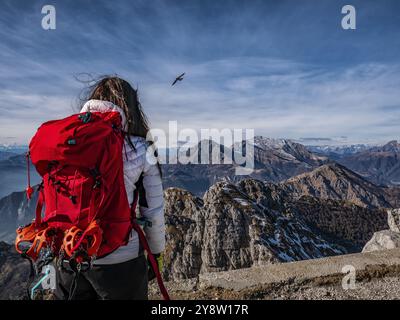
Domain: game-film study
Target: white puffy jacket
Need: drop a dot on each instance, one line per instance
(137, 162)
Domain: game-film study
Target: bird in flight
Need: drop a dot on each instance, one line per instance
(179, 78)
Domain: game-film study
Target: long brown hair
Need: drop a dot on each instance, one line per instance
(121, 93)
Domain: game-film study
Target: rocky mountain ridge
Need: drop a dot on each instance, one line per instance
(334, 181)
(255, 223)
(380, 165)
(274, 160)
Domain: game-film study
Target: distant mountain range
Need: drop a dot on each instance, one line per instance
(15, 148)
(274, 160)
(380, 165)
(4, 155)
(336, 152)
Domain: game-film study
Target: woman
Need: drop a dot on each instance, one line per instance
(123, 273)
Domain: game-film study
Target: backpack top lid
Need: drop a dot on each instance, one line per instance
(78, 140)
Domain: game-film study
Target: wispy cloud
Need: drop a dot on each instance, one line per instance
(282, 101)
(285, 68)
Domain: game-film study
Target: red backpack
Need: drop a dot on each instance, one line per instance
(86, 209)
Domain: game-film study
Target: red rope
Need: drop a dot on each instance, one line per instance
(153, 262)
(28, 169)
(143, 240)
(29, 189)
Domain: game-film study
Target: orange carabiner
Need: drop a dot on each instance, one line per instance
(71, 237)
(90, 239)
(27, 234)
(94, 236)
(38, 237)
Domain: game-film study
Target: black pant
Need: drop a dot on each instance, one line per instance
(122, 281)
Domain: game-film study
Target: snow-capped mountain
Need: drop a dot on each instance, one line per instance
(288, 150)
(336, 152)
(274, 160)
(14, 148)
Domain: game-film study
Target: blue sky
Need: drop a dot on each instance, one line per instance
(285, 68)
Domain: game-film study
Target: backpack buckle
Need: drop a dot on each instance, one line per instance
(86, 117)
(142, 221)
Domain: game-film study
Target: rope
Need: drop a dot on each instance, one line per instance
(153, 261)
(32, 295)
(146, 247)
(28, 169)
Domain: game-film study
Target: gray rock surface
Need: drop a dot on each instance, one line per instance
(386, 239)
(15, 211)
(14, 273)
(253, 223)
(233, 227)
(383, 240)
(394, 220)
(334, 181)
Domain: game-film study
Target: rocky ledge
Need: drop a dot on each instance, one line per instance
(376, 276)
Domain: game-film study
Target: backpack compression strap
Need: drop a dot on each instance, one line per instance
(146, 247)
